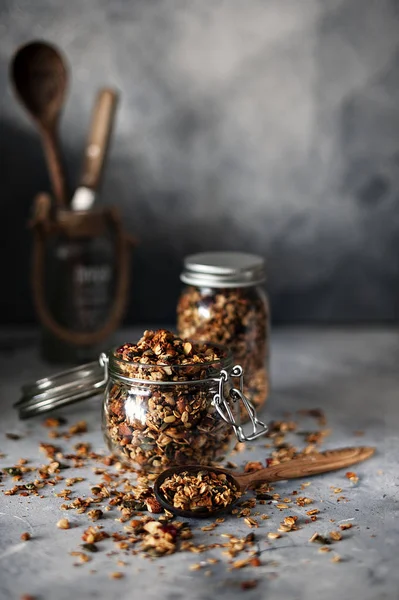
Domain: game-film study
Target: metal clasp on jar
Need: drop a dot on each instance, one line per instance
(222, 406)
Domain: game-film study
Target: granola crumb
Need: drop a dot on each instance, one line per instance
(336, 536)
(345, 526)
(63, 524)
(95, 514)
(116, 575)
(353, 478)
(25, 536)
(251, 522)
(250, 584)
(273, 535)
(319, 539)
(240, 564)
(336, 558)
(79, 427)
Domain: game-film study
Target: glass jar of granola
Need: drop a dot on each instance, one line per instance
(172, 402)
(224, 302)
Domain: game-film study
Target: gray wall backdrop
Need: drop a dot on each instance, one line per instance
(269, 126)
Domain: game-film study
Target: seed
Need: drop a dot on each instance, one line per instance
(187, 347)
(63, 524)
(169, 419)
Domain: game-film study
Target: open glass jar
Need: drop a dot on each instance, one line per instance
(224, 302)
(167, 401)
(158, 416)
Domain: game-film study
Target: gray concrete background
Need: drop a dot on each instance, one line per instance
(264, 126)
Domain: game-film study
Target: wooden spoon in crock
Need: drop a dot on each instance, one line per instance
(39, 76)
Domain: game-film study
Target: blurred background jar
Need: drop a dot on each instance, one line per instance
(224, 302)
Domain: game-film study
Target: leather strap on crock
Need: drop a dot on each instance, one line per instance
(43, 229)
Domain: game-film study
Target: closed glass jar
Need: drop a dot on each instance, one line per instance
(157, 416)
(224, 302)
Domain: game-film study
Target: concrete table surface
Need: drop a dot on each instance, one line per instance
(352, 374)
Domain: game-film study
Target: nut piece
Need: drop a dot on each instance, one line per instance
(63, 524)
(25, 536)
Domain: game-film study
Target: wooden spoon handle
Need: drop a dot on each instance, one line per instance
(304, 467)
(55, 165)
(98, 138)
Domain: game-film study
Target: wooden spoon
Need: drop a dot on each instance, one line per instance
(323, 462)
(39, 75)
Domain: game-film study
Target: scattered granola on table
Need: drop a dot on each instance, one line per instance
(204, 491)
(145, 529)
(166, 417)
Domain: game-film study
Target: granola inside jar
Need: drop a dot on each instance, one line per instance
(158, 409)
(224, 302)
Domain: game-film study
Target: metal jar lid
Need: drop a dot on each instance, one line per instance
(223, 269)
(61, 389)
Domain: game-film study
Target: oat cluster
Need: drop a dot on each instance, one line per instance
(162, 347)
(170, 420)
(237, 318)
(204, 491)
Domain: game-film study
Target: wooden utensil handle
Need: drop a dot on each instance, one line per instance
(55, 167)
(98, 138)
(311, 465)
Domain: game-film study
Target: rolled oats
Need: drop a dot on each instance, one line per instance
(237, 318)
(167, 417)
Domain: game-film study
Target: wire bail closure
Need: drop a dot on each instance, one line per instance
(223, 408)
